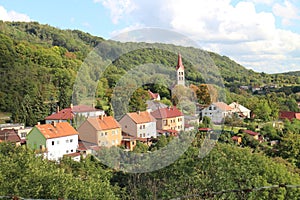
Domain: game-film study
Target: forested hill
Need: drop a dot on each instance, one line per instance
(295, 73)
(39, 63)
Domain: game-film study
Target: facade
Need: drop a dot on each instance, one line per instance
(139, 124)
(242, 111)
(101, 131)
(68, 114)
(169, 119)
(216, 112)
(180, 72)
(53, 140)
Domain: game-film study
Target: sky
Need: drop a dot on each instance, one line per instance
(263, 35)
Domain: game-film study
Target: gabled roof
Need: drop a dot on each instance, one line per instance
(153, 95)
(179, 63)
(60, 129)
(9, 135)
(141, 117)
(68, 113)
(104, 123)
(222, 106)
(289, 115)
(163, 113)
(238, 107)
(64, 114)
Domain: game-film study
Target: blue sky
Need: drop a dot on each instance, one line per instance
(263, 35)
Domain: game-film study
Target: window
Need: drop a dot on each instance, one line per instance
(210, 108)
(215, 108)
(117, 141)
(116, 131)
(144, 134)
(143, 126)
(67, 141)
(165, 122)
(72, 150)
(101, 134)
(140, 135)
(57, 142)
(112, 132)
(67, 151)
(125, 126)
(52, 143)
(112, 142)
(23, 134)
(105, 133)
(71, 140)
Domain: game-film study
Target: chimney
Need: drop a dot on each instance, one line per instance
(71, 106)
(138, 112)
(53, 123)
(38, 123)
(101, 117)
(57, 109)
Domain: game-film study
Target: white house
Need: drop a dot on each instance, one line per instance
(242, 111)
(139, 124)
(216, 112)
(53, 140)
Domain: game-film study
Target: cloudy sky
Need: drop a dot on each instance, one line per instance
(263, 35)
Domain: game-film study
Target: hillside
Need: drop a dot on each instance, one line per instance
(39, 63)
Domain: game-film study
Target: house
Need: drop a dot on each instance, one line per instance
(255, 135)
(128, 141)
(242, 111)
(68, 114)
(11, 126)
(10, 135)
(289, 115)
(101, 131)
(139, 124)
(53, 140)
(20, 129)
(169, 119)
(216, 112)
(154, 96)
(237, 139)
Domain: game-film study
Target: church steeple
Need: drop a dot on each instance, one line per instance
(180, 71)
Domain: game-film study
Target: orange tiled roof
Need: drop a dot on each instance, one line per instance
(163, 113)
(104, 123)
(141, 117)
(61, 129)
(223, 106)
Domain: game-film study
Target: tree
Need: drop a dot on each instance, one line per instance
(138, 100)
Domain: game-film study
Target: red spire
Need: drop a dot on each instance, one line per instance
(179, 63)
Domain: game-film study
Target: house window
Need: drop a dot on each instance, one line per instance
(105, 133)
(67, 141)
(67, 151)
(57, 142)
(143, 126)
(112, 142)
(72, 150)
(165, 122)
(71, 140)
(101, 134)
(140, 135)
(125, 126)
(112, 132)
(215, 108)
(52, 143)
(144, 134)
(23, 134)
(210, 108)
(116, 131)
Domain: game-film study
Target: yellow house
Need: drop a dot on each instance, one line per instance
(169, 119)
(101, 131)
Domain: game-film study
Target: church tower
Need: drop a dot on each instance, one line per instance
(180, 71)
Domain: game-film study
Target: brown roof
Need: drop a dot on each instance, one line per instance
(83, 108)
(289, 115)
(163, 113)
(9, 135)
(61, 129)
(104, 123)
(153, 95)
(223, 106)
(141, 117)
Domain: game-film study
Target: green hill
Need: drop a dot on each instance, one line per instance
(39, 63)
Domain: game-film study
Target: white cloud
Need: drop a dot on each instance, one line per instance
(287, 12)
(241, 32)
(118, 8)
(12, 15)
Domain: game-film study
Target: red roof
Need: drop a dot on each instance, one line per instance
(141, 117)
(235, 138)
(153, 95)
(179, 63)
(61, 129)
(163, 113)
(250, 132)
(9, 135)
(205, 129)
(289, 115)
(104, 123)
(68, 113)
(65, 114)
(222, 106)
